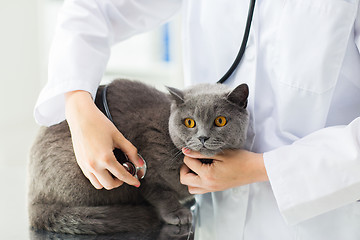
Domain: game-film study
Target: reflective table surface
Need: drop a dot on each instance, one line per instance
(167, 232)
(14, 218)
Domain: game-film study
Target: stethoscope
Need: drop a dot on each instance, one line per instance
(243, 43)
(139, 172)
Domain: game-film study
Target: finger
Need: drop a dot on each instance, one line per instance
(107, 180)
(128, 148)
(193, 154)
(93, 180)
(194, 164)
(184, 170)
(189, 178)
(122, 174)
(197, 190)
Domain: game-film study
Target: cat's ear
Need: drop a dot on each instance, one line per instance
(176, 95)
(239, 95)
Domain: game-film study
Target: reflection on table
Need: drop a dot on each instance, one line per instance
(165, 232)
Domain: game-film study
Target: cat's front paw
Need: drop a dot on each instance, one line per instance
(176, 232)
(181, 216)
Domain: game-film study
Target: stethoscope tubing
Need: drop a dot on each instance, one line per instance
(243, 44)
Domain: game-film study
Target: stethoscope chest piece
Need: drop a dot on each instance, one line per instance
(138, 172)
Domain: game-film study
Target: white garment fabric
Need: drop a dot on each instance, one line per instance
(81, 47)
(302, 65)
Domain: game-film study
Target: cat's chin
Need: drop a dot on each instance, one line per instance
(209, 152)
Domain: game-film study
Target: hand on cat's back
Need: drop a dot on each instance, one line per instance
(94, 137)
(232, 168)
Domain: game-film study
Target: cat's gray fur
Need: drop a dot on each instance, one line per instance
(61, 199)
(203, 103)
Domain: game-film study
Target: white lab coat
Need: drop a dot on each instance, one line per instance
(302, 65)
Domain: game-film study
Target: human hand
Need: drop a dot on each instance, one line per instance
(94, 137)
(229, 169)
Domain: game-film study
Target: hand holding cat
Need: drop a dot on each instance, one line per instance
(94, 138)
(229, 169)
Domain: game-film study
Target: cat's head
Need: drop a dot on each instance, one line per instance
(209, 118)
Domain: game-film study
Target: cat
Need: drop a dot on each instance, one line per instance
(208, 118)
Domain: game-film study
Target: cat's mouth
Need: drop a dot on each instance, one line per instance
(207, 150)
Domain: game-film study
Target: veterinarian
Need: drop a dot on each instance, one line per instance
(300, 178)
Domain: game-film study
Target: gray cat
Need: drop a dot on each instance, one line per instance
(206, 118)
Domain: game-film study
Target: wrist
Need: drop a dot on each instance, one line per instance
(76, 102)
(258, 168)
(254, 168)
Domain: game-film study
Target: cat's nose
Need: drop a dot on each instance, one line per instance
(203, 139)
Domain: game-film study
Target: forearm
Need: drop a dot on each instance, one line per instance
(255, 167)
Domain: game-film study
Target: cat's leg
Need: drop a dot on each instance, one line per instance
(167, 204)
(176, 232)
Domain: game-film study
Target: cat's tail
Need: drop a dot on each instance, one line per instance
(93, 220)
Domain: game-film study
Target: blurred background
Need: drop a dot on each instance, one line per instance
(27, 28)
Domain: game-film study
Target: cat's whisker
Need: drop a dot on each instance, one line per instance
(176, 154)
(174, 151)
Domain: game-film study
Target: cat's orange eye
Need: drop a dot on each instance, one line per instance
(189, 122)
(220, 121)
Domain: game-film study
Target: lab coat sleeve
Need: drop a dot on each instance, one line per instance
(317, 173)
(80, 50)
